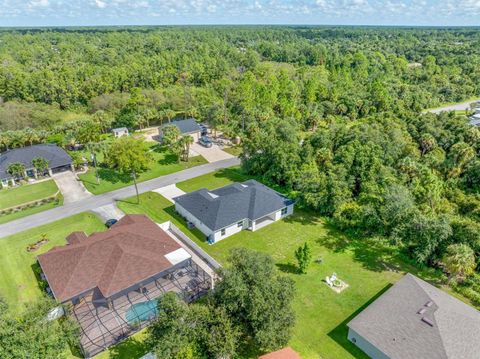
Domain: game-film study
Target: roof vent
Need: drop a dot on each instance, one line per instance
(429, 304)
(421, 311)
(427, 321)
(213, 195)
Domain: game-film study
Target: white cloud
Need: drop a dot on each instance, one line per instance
(100, 4)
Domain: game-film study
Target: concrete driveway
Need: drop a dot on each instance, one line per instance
(212, 154)
(71, 188)
(169, 192)
(110, 211)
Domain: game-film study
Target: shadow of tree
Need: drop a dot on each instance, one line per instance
(168, 159)
(288, 268)
(340, 332)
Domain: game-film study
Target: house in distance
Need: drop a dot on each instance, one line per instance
(187, 127)
(228, 210)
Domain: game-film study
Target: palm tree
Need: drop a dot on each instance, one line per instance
(185, 142)
(40, 164)
(16, 169)
(94, 148)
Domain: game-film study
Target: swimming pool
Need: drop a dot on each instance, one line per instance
(142, 311)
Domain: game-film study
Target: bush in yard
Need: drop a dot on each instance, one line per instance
(304, 257)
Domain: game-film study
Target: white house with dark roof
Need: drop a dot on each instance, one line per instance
(120, 131)
(415, 320)
(228, 210)
(58, 160)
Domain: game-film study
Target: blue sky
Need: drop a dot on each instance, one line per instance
(159, 12)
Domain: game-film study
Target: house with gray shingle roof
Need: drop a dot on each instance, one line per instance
(58, 160)
(230, 209)
(187, 126)
(413, 320)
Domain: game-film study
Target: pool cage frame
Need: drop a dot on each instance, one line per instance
(107, 320)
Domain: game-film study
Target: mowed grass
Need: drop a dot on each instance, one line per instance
(18, 283)
(10, 197)
(164, 162)
(368, 265)
(32, 210)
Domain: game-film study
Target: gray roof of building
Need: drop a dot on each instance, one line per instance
(55, 156)
(414, 319)
(227, 205)
(186, 126)
(120, 129)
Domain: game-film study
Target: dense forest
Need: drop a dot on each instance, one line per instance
(332, 115)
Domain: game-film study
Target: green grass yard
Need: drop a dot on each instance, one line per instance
(368, 265)
(18, 283)
(10, 197)
(4, 218)
(163, 163)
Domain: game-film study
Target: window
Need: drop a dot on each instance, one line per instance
(222, 232)
(240, 224)
(284, 211)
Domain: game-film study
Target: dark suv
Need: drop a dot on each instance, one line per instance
(205, 141)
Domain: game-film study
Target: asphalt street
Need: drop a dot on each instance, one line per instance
(95, 202)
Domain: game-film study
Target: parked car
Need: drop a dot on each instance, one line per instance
(111, 222)
(205, 141)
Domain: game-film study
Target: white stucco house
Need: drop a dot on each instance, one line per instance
(225, 211)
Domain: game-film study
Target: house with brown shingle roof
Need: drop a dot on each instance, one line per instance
(111, 280)
(131, 252)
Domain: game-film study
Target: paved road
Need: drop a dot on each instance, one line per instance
(94, 202)
(457, 107)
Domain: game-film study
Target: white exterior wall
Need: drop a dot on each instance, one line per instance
(229, 231)
(191, 218)
(365, 345)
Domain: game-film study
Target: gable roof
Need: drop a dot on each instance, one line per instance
(132, 250)
(414, 319)
(285, 353)
(120, 129)
(56, 157)
(226, 205)
(186, 126)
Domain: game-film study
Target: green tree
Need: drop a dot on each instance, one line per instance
(459, 261)
(191, 331)
(27, 334)
(129, 155)
(16, 169)
(40, 164)
(303, 254)
(257, 298)
(171, 134)
(185, 142)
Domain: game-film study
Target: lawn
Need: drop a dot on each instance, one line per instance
(29, 211)
(369, 266)
(163, 163)
(11, 197)
(18, 283)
